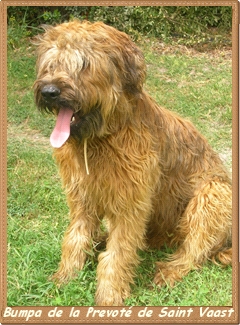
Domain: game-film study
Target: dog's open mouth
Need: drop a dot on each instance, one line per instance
(75, 119)
(61, 132)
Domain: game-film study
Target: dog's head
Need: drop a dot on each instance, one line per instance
(83, 72)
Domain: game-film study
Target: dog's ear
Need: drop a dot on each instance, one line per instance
(130, 65)
(134, 70)
(125, 57)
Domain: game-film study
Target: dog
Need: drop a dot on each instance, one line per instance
(124, 159)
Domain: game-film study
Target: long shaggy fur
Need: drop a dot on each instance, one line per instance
(152, 176)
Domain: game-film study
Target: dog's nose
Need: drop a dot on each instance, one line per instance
(50, 92)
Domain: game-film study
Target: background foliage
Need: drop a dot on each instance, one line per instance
(189, 25)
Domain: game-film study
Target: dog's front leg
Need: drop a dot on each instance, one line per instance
(117, 264)
(76, 243)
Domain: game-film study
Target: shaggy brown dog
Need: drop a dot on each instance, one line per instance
(122, 158)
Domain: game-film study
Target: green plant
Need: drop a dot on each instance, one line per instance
(189, 25)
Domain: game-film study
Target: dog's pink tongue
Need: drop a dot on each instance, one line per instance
(61, 131)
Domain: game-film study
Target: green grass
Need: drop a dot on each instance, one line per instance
(197, 86)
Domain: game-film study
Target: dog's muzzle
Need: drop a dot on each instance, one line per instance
(50, 92)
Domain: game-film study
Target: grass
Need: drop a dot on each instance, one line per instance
(197, 86)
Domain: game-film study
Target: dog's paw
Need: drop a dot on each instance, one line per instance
(62, 277)
(108, 296)
(167, 275)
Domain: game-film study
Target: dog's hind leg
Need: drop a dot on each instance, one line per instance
(205, 232)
